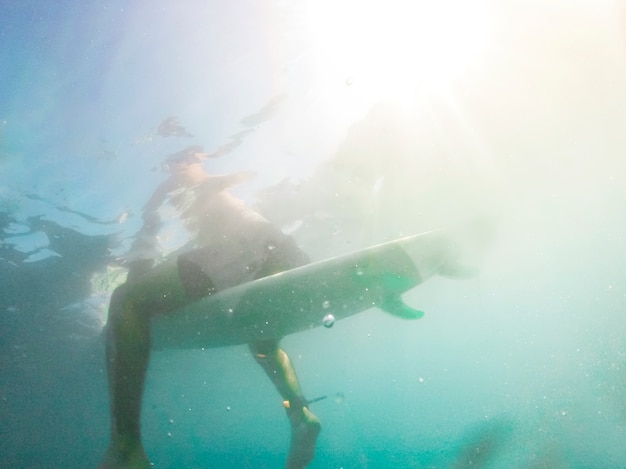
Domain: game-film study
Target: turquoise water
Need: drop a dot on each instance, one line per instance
(362, 122)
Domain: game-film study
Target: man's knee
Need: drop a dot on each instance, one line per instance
(127, 322)
(122, 304)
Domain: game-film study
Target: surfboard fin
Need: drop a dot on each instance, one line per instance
(394, 305)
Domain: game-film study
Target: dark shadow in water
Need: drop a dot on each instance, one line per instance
(51, 384)
(483, 444)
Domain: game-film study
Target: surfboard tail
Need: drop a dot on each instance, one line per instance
(439, 254)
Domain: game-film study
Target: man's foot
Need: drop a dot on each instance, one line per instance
(304, 430)
(115, 458)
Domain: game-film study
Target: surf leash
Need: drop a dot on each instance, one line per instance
(302, 402)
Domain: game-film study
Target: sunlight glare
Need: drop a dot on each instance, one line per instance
(387, 49)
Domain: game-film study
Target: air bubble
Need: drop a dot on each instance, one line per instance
(328, 321)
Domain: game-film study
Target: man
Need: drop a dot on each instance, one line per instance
(233, 244)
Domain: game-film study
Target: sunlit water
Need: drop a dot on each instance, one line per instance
(362, 123)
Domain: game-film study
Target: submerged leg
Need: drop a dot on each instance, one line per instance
(127, 354)
(305, 426)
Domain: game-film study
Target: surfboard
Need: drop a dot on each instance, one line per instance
(309, 296)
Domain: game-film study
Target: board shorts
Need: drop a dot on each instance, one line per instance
(258, 252)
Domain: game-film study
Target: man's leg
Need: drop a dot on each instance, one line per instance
(128, 353)
(305, 426)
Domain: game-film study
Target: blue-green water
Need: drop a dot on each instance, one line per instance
(362, 121)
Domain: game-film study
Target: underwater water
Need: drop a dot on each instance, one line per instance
(346, 124)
